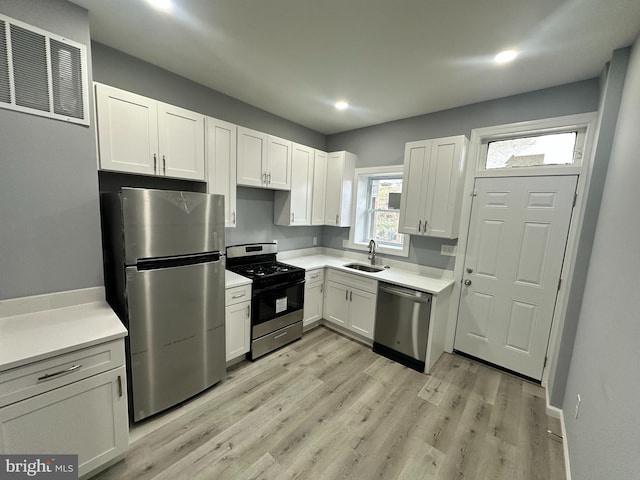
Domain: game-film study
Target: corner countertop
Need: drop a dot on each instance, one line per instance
(393, 275)
(32, 330)
(232, 279)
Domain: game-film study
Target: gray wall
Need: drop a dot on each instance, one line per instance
(605, 439)
(612, 81)
(50, 233)
(383, 144)
(120, 70)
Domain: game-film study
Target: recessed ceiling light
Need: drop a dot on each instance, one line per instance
(506, 56)
(160, 4)
(342, 105)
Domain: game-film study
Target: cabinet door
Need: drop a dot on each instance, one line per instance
(362, 312)
(87, 418)
(127, 131)
(319, 187)
(181, 142)
(279, 161)
(313, 296)
(414, 191)
(252, 158)
(237, 329)
(301, 184)
(221, 165)
(445, 172)
(336, 306)
(335, 165)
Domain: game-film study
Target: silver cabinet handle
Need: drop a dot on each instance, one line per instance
(425, 227)
(234, 218)
(351, 296)
(321, 288)
(264, 178)
(336, 219)
(314, 276)
(164, 165)
(346, 295)
(239, 295)
(49, 376)
(419, 226)
(293, 216)
(248, 311)
(119, 386)
(467, 282)
(269, 179)
(155, 163)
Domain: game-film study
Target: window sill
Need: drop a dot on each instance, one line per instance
(379, 249)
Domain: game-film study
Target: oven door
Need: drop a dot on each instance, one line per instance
(275, 307)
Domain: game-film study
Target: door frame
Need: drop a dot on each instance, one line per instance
(475, 169)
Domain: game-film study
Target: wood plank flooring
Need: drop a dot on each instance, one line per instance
(327, 407)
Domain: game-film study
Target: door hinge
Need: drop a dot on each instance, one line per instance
(559, 283)
(575, 199)
(544, 364)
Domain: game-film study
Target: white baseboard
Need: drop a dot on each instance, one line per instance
(556, 412)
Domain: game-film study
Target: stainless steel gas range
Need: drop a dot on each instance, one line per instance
(277, 296)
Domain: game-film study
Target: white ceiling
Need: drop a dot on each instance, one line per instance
(389, 59)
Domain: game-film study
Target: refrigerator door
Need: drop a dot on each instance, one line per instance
(163, 223)
(176, 333)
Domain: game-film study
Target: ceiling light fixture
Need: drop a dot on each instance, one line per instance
(506, 56)
(164, 5)
(342, 105)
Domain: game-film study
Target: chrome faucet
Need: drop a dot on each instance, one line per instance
(372, 251)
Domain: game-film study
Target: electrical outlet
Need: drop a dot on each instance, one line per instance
(578, 400)
(315, 240)
(449, 250)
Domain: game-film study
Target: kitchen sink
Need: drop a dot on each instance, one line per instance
(364, 268)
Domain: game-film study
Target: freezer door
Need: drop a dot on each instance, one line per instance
(176, 334)
(163, 223)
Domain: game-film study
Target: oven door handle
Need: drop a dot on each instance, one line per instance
(279, 285)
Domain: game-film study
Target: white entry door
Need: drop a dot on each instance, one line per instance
(517, 239)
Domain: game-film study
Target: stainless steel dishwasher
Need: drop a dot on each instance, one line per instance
(402, 325)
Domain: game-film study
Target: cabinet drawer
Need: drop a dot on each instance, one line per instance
(39, 377)
(314, 276)
(353, 280)
(237, 294)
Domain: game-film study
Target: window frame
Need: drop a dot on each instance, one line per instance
(360, 210)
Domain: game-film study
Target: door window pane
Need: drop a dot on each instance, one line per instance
(549, 149)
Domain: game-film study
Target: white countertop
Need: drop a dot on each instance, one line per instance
(394, 274)
(232, 279)
(33, 336)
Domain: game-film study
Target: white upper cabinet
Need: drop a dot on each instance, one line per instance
(263, 160)
(140, 135)
(252, 158)
(221, 165)
(294, 207)
(127, 131)
(432, 187)
(339, 188)
(319, 187)
(279, 163)
(181, 141)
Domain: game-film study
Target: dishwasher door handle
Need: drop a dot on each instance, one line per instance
(420, 297)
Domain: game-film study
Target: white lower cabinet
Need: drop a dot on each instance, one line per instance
(350, 302)
(237, 321)
(87, 417)
(313, 296)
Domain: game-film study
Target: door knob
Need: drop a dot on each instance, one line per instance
(467, 282)
(469, 270)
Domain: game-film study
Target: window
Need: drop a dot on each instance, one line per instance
(549, 149)
(377, 211)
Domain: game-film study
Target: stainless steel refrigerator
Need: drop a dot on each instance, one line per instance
(164, 277)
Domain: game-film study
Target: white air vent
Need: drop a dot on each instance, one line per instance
(42, 73)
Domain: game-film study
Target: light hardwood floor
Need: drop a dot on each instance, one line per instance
(328, 407)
